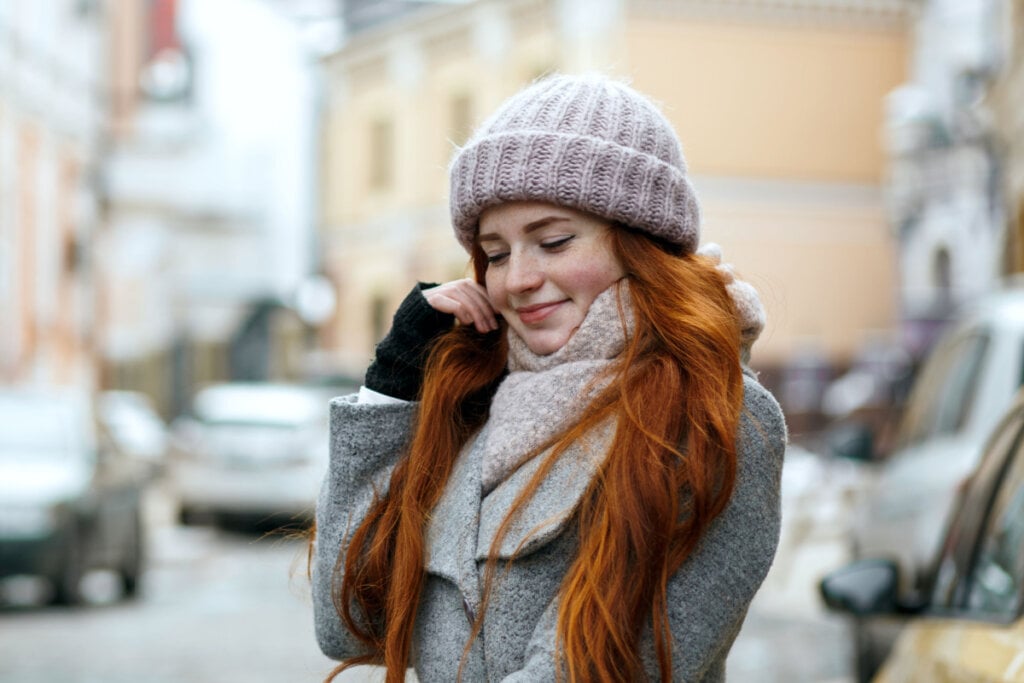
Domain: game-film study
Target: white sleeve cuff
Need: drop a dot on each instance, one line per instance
(369, 396)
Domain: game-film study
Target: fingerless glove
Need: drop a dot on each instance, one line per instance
(401, 357)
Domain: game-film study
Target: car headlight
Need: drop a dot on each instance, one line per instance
(26, 521)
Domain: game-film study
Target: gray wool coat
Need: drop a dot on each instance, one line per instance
(708, 596)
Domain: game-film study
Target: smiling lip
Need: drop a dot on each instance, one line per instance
(531, 315)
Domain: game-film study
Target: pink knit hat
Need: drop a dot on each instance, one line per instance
(584, 142)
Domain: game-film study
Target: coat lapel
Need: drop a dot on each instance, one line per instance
(462, 528)
(451, 530)
(544, 515)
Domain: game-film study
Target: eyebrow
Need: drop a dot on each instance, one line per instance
(527, 229)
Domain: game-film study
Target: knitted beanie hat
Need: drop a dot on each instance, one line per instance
(584, 142)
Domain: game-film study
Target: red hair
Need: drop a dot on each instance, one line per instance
(675, 395)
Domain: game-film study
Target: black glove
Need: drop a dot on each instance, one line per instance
(397, 369)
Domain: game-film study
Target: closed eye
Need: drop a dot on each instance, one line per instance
(494, 259)
(555, 244)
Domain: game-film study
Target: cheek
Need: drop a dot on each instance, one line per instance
(590, 282)
(495, 292)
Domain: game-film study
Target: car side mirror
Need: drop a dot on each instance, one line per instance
(862, 588)
(852, 441)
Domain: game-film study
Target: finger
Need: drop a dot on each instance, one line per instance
(465, 299)
(469, 312)
(476, 305)
(484, 314)
(476, 313)
(455, 306)
(445, 304)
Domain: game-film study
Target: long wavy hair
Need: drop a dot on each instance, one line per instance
(675, 394)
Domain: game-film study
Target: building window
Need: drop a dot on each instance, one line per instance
(378, 317)
(382, 148)
(460, 117)
(942, 279)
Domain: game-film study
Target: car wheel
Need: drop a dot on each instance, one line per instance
(134, 560)
(68, 582)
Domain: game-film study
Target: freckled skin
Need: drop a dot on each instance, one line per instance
(546, 265)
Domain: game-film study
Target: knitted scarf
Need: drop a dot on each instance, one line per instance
(542, 396)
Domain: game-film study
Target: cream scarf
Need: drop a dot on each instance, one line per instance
(544, 395)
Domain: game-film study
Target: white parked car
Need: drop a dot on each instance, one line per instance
(966, 384)
(134, 424)
(251, 451)
(70, 500)
(967, 625)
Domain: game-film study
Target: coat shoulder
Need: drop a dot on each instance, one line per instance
(762, 417)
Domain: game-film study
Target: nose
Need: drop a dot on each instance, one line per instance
(523, 274)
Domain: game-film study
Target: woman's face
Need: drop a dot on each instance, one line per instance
(545, 266)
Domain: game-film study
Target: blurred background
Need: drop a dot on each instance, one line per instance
(210, 209)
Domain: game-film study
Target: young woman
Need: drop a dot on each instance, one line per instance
(559, 469)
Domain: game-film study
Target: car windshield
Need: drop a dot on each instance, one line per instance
(943, 396)
(36, 429)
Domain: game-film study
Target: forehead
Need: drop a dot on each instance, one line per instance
(513, 218)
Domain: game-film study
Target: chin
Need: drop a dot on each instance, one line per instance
(544, 346)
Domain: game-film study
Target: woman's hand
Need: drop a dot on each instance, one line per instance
(465, 299)
(424, 315)
(751, 312)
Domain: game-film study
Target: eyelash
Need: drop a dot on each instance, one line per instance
(493, 259)
(561, 241)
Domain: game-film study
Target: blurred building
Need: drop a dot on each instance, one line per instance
(778, 105)
(947, 161)
(359, 15)
(208, 247)
(157, 190)
(1006, 98)
(51, 115)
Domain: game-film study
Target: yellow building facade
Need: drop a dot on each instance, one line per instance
(778, 106)
(1005, 99)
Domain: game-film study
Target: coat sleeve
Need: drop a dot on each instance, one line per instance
(366, 440)
(709, 595)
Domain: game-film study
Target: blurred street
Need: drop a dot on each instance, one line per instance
(775, 647)
(216, 607)
(209, 212)
(221, 606)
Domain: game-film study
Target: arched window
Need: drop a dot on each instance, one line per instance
(942, 278)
